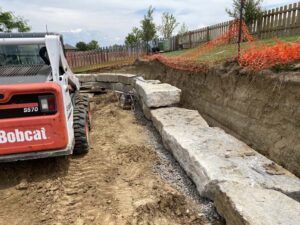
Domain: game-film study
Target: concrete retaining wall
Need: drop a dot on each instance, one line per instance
(261, 109)
(247, 188)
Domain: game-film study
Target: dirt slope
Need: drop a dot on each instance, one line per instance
(113, 184)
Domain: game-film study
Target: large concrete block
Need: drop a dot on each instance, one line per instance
(95, 85)
(106, 77)
(83, 78)
(245, 205)
(145, 109)
(179, 117)
(141, 79)
(121, 87)
(158, 95)
(115, 78)
(126, 78)
(210, 157)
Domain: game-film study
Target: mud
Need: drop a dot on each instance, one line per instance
(118, 182)
(261, 109)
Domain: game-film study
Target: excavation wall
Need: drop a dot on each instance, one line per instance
(222, 167)
(261, 109)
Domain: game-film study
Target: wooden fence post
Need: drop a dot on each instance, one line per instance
(259, 27)
(294, 19)
(107, 53)
(207, 34)
(289, 22)
(190, 39)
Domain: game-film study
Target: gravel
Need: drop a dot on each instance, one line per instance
(170, 170)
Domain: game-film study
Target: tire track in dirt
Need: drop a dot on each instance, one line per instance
(112, 185)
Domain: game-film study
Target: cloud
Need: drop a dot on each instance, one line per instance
(109, 21)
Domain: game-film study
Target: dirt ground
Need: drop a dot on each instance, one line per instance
(116, 183)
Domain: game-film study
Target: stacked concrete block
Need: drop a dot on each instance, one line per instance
(158, 95)
(244, 205)
(247, 188)
(214, 159)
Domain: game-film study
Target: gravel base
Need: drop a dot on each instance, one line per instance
(170, 170)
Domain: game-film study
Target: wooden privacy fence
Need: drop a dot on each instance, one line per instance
(282, 21)
(77, 59)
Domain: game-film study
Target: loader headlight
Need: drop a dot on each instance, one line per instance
(47, 103)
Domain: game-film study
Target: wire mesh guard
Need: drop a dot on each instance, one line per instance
(126, 100)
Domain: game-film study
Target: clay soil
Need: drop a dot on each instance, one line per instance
(114, 184)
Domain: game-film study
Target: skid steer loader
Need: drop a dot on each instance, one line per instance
(42, 113)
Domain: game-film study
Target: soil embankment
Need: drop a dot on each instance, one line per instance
(261, 109)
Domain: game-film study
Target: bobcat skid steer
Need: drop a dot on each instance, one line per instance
(42, 113)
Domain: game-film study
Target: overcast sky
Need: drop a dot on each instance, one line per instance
(109, 21)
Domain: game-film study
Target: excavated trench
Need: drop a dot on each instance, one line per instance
(127, 178)
(246, 187)
(260, 109)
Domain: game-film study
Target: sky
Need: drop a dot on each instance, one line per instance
(109, 21)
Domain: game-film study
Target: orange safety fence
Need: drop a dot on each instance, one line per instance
(257, 57)
(189, 60)
(231, 36)
(261, 57)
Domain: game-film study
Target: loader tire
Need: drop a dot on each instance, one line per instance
(81, 125)
(84, 100)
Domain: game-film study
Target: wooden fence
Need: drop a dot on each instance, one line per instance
(77, 59)
(282, 21)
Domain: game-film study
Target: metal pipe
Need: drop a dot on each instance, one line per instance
(240, 28)
(21, 41)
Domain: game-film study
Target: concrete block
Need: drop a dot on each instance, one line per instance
(158, 95)
(121, 87)
(175, 116)
(95, 85)
(146, 111)
(210, 157)
(140, 78)
(106, 77)
(245, 205)
(83, 78)
(115, 78)
(126, 78)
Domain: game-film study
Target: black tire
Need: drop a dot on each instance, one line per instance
(84, 100)
(81, 125)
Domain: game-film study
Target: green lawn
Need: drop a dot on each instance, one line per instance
(223, 52)
(102, 66)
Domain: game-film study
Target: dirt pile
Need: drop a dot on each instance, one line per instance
(114, 184)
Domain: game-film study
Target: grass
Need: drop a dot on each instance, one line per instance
(224, 52)
(102, 66)
(214, 55)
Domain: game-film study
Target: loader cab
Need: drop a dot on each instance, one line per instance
(22, 54)
(34, 58)
(36, 88)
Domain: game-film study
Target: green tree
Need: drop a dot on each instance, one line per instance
(183, 29)
(169, 23)
(134, 37)
(252, 10)
(148, 26)
(9, 22)
(93, 45)
(82, 46)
